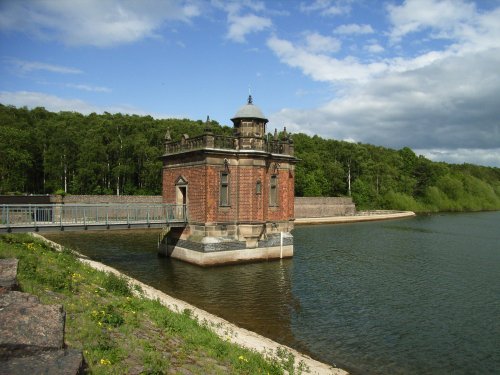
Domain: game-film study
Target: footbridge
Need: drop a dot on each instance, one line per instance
(74, 217)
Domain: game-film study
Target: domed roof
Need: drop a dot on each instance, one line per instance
(249, 110)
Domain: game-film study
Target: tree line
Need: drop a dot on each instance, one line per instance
(43, 152)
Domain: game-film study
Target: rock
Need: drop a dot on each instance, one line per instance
(28, 326)
(8, 275)
(32, 334)
(15, 297)
(60, 362)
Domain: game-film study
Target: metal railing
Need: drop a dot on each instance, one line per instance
(85, 215)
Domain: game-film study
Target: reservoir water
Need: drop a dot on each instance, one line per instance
(412, 296)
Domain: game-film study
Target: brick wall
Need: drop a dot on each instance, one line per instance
(285, 208)
(196, 177)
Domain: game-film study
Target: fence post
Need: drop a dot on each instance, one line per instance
(5, 214)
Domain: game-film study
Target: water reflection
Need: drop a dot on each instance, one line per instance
(256, 296)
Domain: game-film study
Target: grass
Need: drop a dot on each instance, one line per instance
(120, 333)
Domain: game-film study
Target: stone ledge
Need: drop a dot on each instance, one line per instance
(8, 274)
(28, 326)
(32, 334)
(60, 362)
(373, 216)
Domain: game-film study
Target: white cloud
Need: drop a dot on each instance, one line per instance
(240, 26)
(448, 18)
(444, 100)
(29, 66)
(327, 7)
(318, 43)
(448, 105)
(488, 157)
(89, 88)
(321, 67)
(353, 28)
(93, 22)
(54, 103)
(32, 99)
(374, 47)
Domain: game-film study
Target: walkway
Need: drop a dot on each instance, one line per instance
(62, 217)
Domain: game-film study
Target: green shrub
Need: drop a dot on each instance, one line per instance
(399, 201)
(118, 285)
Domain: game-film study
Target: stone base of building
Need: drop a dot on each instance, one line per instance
(189, 246)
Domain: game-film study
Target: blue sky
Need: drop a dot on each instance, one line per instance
(417, 73)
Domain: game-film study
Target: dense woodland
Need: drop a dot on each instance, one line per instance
(43, 152)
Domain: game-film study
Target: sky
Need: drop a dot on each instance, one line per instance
(418, 73)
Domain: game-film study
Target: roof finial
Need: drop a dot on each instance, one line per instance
(208, 127)
(250, 100)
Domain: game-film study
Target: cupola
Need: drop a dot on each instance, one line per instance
(249, 121)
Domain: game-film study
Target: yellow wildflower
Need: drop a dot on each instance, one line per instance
(105, 362)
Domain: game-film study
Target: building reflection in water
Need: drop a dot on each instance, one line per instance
(255, 296)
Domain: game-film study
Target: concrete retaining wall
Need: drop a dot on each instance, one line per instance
(323, 207)
(113, 199)
(25, 199)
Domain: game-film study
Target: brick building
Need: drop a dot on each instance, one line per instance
(239, 193)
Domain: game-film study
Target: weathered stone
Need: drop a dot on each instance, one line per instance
(28, 326)
(15, 297)
(32, 334)
(60, 362)
(8, 274)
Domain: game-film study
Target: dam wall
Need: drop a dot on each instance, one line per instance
(311, 207)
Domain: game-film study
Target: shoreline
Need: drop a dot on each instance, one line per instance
(362, 216)
(223, 328)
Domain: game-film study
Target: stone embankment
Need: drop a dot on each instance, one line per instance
(359, 216)
(32, 334)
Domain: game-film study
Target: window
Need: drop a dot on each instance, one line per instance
(258, 187)
(273, 191)
(224, 189)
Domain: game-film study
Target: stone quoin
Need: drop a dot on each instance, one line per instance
(238, 191)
